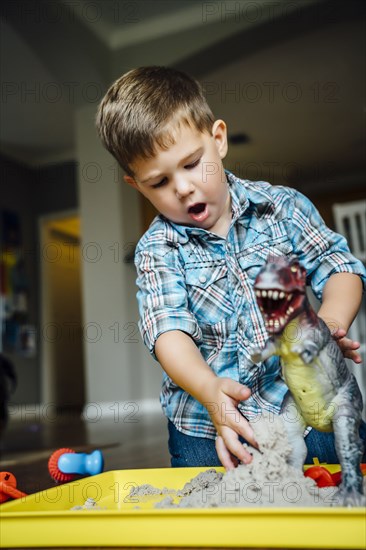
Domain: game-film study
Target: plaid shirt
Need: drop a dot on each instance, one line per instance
(200, 283)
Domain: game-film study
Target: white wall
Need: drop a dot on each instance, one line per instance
(117, 366)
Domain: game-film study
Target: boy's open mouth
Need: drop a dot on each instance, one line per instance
(198, 212)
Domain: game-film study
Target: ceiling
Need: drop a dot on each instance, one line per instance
(288, 74)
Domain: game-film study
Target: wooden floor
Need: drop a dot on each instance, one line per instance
(27, 444)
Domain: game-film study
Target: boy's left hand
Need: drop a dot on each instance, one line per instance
(348, 346)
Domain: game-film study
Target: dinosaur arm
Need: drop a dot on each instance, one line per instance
(308, 350)
(313, 336)
(271, 348)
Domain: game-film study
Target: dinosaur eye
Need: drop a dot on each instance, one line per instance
(294, 269)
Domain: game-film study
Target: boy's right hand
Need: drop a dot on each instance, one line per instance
(183, 362)
(222, 396)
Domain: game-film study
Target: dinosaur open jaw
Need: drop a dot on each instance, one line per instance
(277, 307)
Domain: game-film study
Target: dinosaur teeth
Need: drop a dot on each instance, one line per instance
(273, 294)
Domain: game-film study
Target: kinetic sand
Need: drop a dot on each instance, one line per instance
(268, 481)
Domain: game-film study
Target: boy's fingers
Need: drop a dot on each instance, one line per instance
(230, 451)
(236, 421)
(238, 450)
(227, 459)
(352, 347)
(348, 343)
(356, 357)
(349, 349)
(338, 333)
(240, 426)
(247, 433)
(351, 344)
(236, 390)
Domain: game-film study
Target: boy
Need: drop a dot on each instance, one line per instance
(197, 263)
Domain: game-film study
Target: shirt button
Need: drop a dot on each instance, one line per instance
(202, 279)
(240, 291)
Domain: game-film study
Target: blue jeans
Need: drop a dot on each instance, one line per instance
(187, 450)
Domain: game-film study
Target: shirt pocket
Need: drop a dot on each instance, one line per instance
(208, 294)
(255, 257)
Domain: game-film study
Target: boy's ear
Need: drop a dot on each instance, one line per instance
(130, 181)
(219, 133)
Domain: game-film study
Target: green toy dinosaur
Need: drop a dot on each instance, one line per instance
(323, 393)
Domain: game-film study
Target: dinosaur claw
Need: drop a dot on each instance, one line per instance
(349, 498)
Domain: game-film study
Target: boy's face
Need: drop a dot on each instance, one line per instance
(187, 183)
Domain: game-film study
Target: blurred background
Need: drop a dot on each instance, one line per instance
(288, 77)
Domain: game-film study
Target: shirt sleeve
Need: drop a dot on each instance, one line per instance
(321, 251)
(162, 297)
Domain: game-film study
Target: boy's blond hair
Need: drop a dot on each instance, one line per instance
(141, 110)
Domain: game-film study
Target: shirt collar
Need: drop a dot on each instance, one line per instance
(243, 192)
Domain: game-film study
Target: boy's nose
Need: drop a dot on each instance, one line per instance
(183, 188)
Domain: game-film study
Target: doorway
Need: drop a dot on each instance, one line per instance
(61, 328)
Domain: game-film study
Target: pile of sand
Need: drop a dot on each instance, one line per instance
(267, 481)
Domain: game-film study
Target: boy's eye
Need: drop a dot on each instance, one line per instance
(159, 184)
(193, 164)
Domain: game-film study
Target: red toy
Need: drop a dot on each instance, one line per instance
(324, 478)
(54, 470)
(8, 484)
